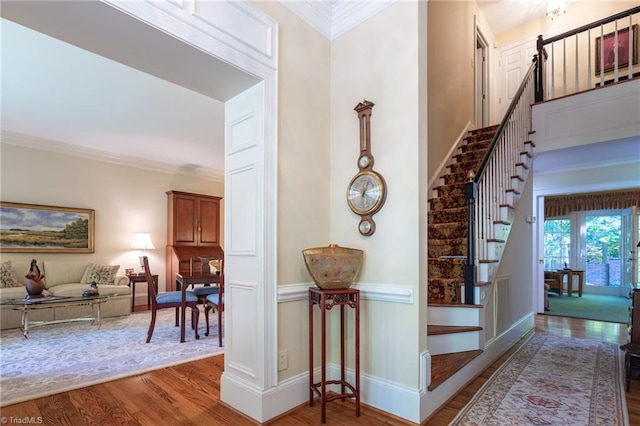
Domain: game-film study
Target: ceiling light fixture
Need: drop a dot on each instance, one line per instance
(556, 8)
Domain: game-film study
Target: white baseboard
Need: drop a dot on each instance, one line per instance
(411, 404)
(387, 396)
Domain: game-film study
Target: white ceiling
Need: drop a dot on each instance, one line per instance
(507, 14)
(166, 114)
(154, 108)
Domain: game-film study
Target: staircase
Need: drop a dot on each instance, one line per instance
(447, 230)
(455, 329)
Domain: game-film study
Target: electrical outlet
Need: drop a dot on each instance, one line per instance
(283, 360)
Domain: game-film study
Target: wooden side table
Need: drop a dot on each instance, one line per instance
(326, 300)
(570, 273)
(133, 279)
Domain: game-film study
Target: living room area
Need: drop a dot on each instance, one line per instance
(126, 200)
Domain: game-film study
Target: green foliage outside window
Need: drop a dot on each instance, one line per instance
(603, 238)
(557, 243)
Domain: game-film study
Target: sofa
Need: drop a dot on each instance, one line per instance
(64, 278)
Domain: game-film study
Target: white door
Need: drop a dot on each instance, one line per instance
(515, 60)
(244, 291)
(481, 82)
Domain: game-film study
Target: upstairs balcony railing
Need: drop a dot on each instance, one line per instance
(591, 56)
(594, 55)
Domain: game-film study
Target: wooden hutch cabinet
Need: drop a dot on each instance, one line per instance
(193, 230)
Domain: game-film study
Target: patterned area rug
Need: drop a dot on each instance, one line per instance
(553, 380)
(60, 357)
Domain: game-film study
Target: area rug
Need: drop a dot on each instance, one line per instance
(591, 306)
(60, 357)
(553, 380)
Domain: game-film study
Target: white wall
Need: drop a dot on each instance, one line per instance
(126, 200)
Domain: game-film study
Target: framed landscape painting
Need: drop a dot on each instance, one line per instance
(31, 228)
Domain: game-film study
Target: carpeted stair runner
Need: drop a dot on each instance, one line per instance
(447, 230)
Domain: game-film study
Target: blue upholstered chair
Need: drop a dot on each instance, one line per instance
(169, 299)
(205, 268)
(215, 301)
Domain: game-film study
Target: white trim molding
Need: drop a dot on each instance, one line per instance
(368, 291)
(334, 18)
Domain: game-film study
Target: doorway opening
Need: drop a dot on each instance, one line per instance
(481, 80)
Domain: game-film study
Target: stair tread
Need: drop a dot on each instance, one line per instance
(446, 365)
(435, 330)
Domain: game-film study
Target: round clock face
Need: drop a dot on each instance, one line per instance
(364, 227)
(364, 161)
(366, 193)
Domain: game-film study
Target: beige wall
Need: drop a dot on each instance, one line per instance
(126, 200)
(303, 168)
(451, 50)
(361, 69)
(320, 82)
(578, 13)
(303, 141)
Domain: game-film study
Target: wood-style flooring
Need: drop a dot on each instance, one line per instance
(188, 394)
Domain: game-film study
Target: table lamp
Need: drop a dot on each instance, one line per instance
(142, 241)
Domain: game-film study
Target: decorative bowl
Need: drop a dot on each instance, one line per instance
(333, 267)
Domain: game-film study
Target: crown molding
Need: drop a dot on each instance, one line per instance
(27, 141)
(334, 18)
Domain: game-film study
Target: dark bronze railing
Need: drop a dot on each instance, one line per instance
(577, 43)
(486, 192)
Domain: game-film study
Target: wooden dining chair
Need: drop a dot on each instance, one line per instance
(169, 299)
(215, 301)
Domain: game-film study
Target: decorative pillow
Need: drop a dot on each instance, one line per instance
(7, 278)
(101, 274)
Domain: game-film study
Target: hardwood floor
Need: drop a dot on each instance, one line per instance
(560, 326)
(189, 394)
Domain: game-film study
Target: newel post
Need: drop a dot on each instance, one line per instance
(470, 193)
(539, 71)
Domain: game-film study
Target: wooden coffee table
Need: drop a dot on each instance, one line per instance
(48, 302)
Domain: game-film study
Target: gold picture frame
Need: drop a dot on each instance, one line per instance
(33, 228)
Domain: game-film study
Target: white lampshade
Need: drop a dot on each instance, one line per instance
(556, 8)
(142, 241)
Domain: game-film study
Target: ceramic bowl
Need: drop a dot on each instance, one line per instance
(333, 267)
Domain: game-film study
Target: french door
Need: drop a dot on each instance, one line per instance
(630, 249)
(602, 243)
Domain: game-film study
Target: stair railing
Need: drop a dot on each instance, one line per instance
(570, 56)
(489, 189)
